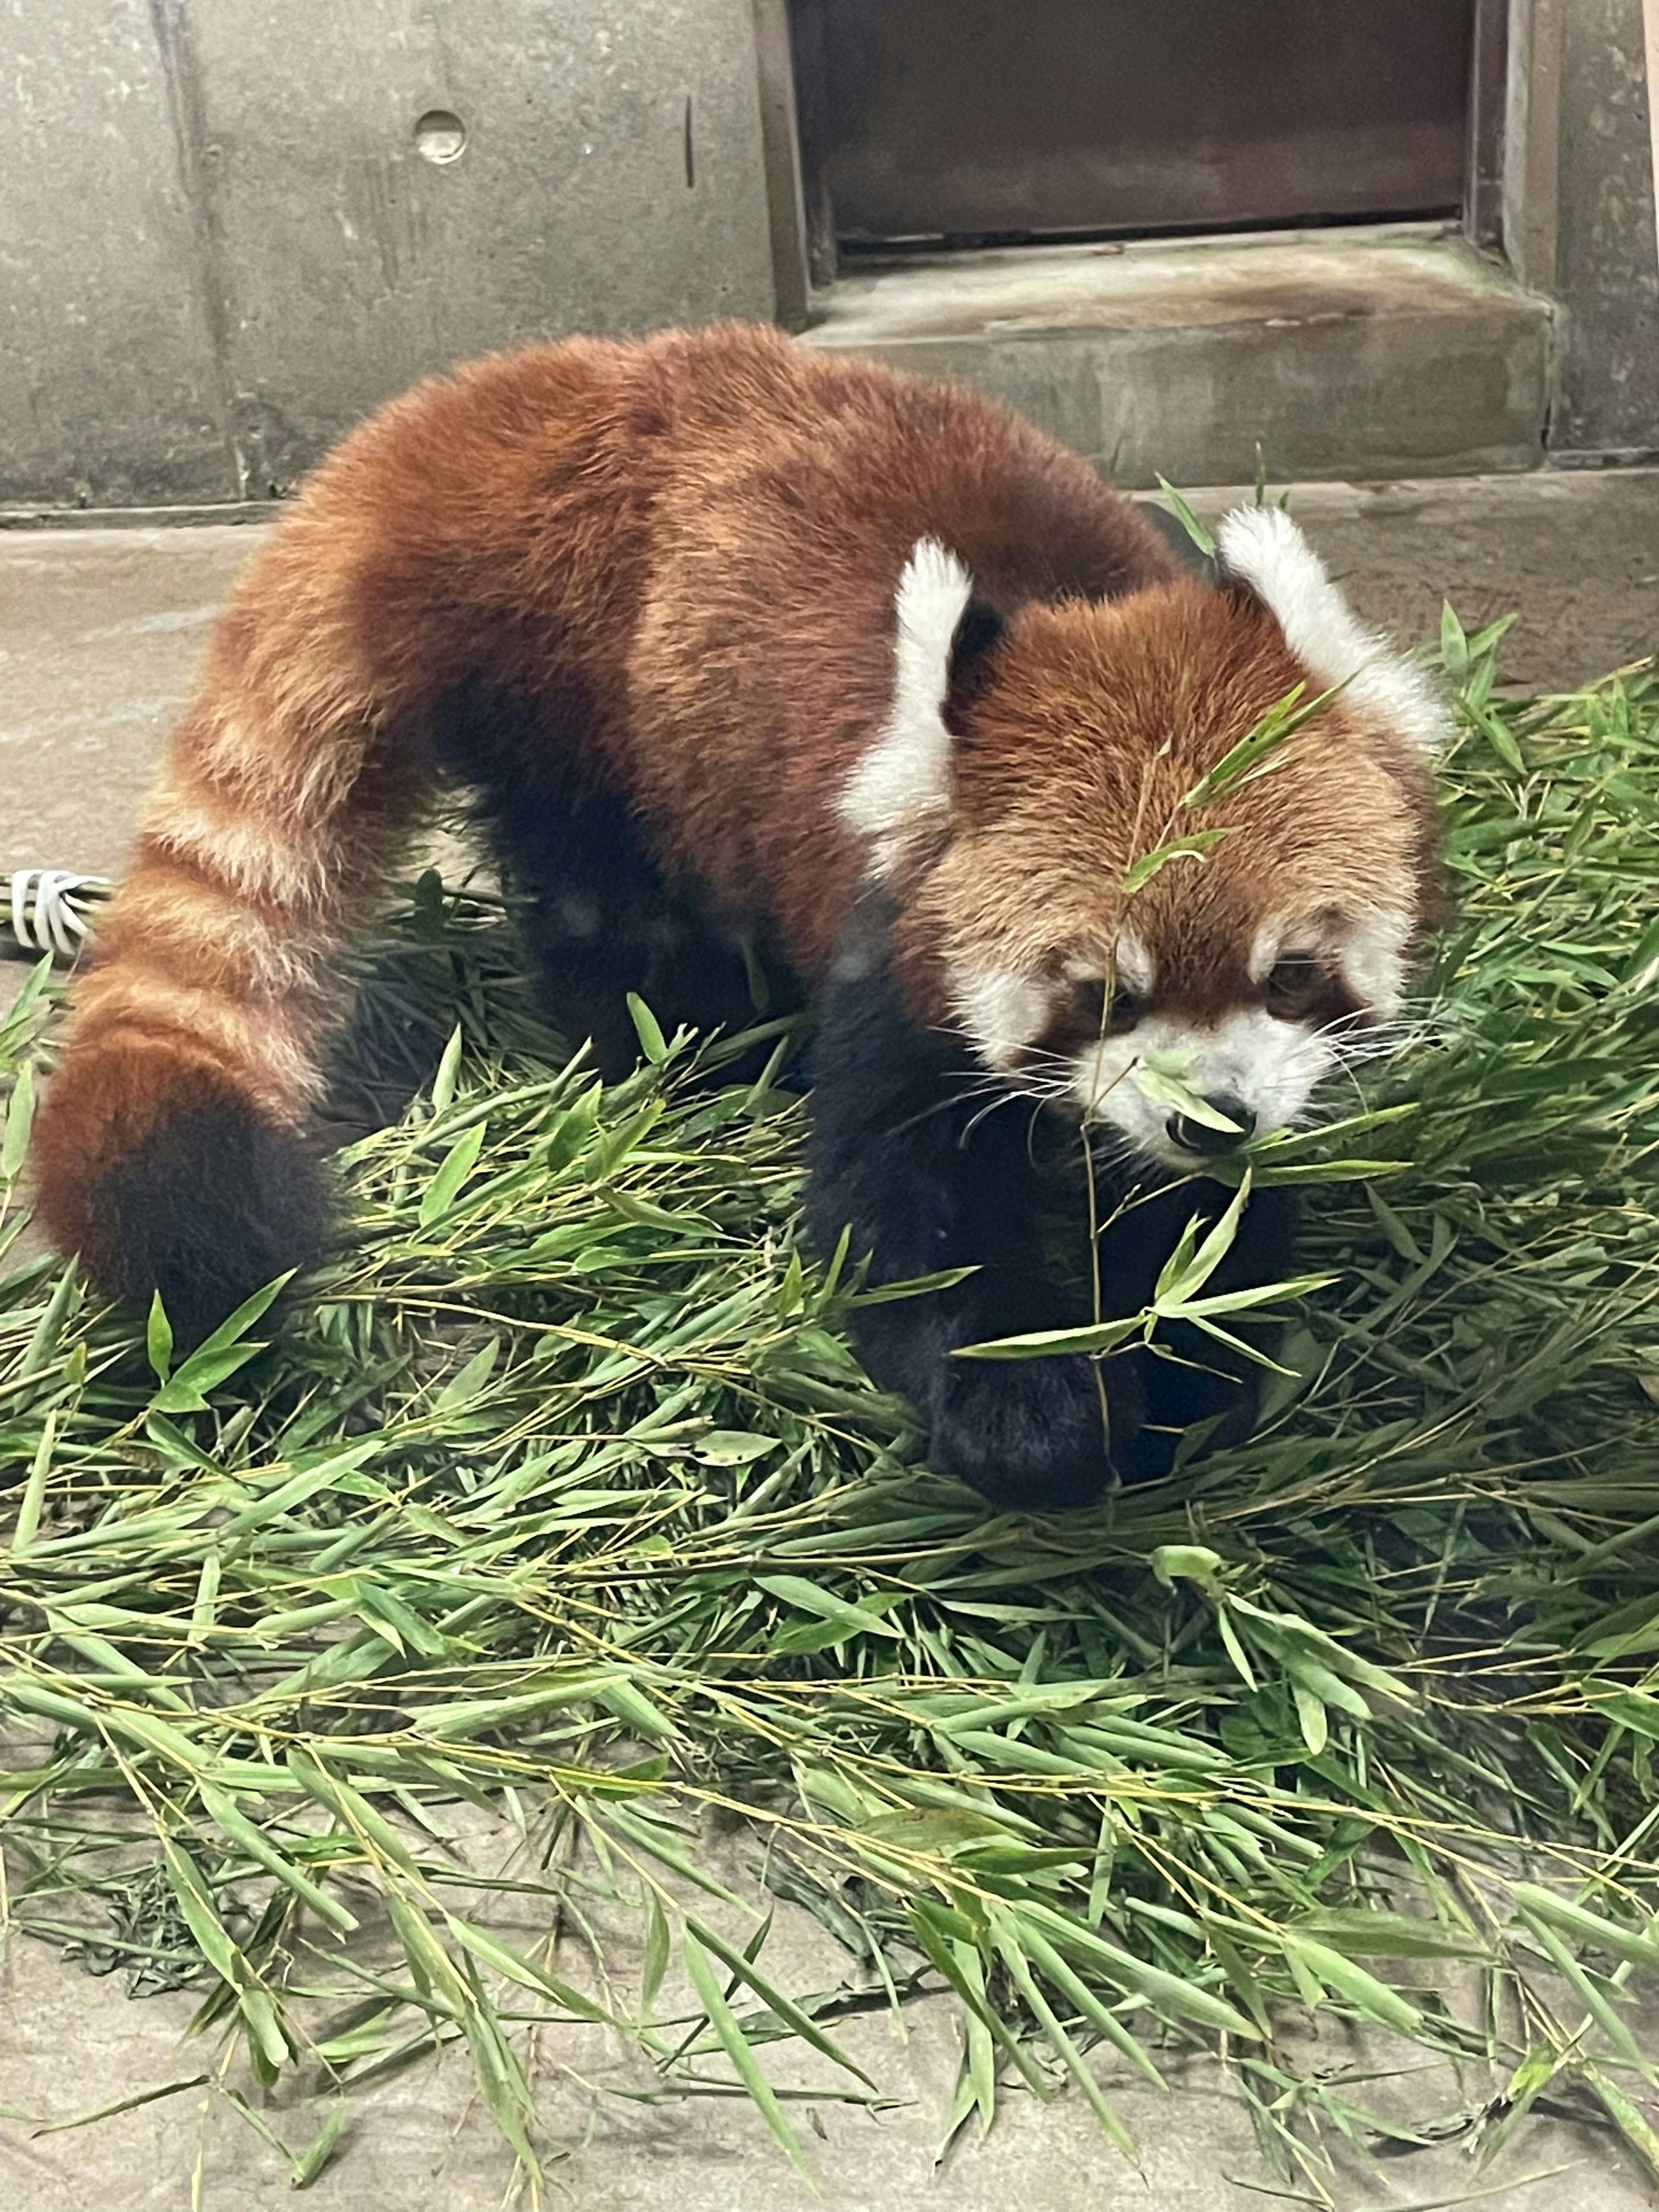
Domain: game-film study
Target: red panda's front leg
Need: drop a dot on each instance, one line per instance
(905, 1155)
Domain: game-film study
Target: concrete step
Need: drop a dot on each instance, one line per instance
(1363, 353)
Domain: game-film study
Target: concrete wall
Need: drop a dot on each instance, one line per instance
(221, 240)
(1578, 215)
(1606, 265)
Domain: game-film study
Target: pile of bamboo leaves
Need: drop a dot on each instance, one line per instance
(559, 1491)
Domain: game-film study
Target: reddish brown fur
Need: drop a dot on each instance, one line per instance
(1125, 706)
(681, 556)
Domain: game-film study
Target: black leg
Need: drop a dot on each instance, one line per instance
(904, 1154)
(600, 922)
(597, 916)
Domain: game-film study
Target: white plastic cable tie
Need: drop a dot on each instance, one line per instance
(43, 918)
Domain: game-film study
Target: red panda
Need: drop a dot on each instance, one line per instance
(747, 649)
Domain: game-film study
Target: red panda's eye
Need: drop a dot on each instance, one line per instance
(1292, 986)
(1101, 1013)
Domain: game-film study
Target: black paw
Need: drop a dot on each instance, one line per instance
(1040, 1435)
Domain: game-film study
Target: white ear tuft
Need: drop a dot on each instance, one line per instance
(905, 777)
(1264, 548)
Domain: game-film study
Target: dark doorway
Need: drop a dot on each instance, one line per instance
(930, 122)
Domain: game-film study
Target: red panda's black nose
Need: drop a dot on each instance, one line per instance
(1199, 1137)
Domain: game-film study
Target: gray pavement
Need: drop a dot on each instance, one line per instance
(99, 631)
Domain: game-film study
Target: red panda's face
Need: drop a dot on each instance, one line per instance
(1312, 994)
(1249, 966)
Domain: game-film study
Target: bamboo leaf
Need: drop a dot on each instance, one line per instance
(1196, 845)
(773, 1997)
(443, 1083)
(1189, 522)
(737, 2049)
(18, 1123)
(453, 1172)
(653, 1043)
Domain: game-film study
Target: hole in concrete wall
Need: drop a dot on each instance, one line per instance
(439, 137)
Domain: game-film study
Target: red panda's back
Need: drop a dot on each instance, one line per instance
(798, 484)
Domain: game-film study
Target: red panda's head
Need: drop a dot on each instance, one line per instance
(1032, 765)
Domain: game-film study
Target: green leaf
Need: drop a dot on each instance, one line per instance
(503, 1959)
(1161, 1077)
(1363, 1990)
(27, 1522)
(221, 1808)
(466, 1385)
(1170, 1297)
(1544, 1908)
(158, 1338)
(1454, 645)
(20, 1120)
(1014, 1960)
(804, 1596)
(773, 1997)
(652, 1043)
(1183, 1999)
(1194, 847)
(1189, 522)
(215, 1359)
(1195, 1563)
(1310, 1712)
(131, 2104)
(1627, 2116)
(443, 1083)
(202, 1914)
(656, 1953)
(1259, 750)
(1042, 1343)
(886, 1293)
(16, 1025)
(453, 1169)
(739, 2049)
(732, 1447)
(202, 1371)
(312, 2162)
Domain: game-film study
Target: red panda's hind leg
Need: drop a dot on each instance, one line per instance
(599, 919)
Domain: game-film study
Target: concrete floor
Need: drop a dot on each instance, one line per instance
(99, 634)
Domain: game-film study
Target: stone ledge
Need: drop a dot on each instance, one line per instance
(1365, 353)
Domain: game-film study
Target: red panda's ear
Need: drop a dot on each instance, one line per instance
(1260, 550)
(903, 784)
(973, 650)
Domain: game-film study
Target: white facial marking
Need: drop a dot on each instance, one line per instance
(1263, 548)
(1134, 965)
(1265, 951)
(904, 779)
(1271, 1066)
(1002, 1012)
(1372, 958)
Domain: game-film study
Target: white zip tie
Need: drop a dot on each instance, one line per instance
(43, 918)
